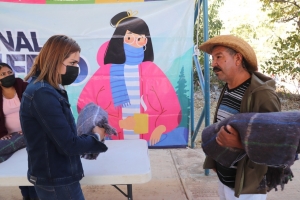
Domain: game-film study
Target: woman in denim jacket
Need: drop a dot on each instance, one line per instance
(54, 149)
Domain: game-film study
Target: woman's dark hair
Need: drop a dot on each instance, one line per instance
(122, 22)
(5, 65)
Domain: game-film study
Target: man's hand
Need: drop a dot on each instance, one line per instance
(229, 137)
(100, 131)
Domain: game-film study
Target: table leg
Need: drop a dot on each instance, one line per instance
(129, 191)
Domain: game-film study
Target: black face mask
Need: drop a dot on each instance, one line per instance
(70, 76)
(8, 81)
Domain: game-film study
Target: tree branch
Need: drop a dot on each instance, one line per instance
(283, 1)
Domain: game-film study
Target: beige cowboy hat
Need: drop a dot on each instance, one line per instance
(235, 43)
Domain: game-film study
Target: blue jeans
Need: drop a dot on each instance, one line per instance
(28, 191)
(65, 192)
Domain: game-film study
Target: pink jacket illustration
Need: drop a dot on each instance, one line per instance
(158, 97)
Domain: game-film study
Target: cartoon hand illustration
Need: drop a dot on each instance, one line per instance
(156, 134)
(127, 123)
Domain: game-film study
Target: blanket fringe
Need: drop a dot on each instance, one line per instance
(278, 176)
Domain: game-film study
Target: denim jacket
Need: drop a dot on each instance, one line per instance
(49, 128)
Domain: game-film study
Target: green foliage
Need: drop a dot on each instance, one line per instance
(286, 59)
(246, 31)
(214, 28)
(282, 10)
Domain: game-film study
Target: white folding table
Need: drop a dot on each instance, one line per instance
(126, 162)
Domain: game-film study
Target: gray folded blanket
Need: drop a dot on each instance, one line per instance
(90, 116)
(270, 139)
(10, 146)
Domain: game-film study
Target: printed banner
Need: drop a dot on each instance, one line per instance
(135, 60)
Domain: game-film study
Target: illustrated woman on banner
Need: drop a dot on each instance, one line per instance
(139, 98)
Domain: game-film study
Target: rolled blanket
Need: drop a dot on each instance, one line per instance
(10, 146)
(90, 116)
(270, 139)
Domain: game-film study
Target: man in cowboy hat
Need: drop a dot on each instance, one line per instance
(246, 90)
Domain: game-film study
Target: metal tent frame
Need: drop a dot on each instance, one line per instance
(204, 80)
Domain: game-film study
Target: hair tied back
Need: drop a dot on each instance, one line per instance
(129, 14)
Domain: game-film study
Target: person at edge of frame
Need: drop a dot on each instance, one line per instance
(12, 89)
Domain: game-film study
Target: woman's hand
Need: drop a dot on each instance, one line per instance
(156, 134)
(8, 136)
(127, 123)
(100, 131)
